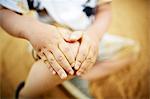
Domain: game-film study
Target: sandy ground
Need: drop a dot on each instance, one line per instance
(130, 19)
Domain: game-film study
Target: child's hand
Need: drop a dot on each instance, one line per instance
(72, 42)
(48, 42)
(42, 37)
(73, 46)
(87, 53)
(88, 50)
(66, 34)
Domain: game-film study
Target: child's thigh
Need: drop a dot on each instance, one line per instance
(40, 77)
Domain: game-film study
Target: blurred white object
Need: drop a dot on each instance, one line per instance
(69, 12)
(113, 45)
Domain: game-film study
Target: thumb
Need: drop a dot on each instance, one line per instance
(65, 33)
(75, 36)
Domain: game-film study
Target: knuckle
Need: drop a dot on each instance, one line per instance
(46, 61)
(51, 60)
(44, 58)
(60, 58)
(39, 50)
(92, 61)
(58, 70)
(89, 59)
(83, 55)
(39, 54)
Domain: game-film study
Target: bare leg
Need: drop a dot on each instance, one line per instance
(105, 68)
(40, 80)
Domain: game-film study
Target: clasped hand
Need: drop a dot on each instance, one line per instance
(65, 52)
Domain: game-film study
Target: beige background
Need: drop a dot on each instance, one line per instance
(130, 19)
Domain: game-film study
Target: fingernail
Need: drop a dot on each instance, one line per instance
(73, 37)
(63, 76)
(77, 65)
(73, 64)
(78, 73)
(71, 72)
(54, 72)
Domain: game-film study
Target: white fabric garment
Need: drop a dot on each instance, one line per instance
(65, 12)
(69, 13)
(20, 6)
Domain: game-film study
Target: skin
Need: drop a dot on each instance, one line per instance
(34, 88)
(90, 38)
(53, 46)
(88, 50)
(40, 80)
(45, 39)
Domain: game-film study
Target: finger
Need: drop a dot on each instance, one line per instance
(74, 48)
(82, 54)
(61, 59)
(66, 50)
(55, 65)
(52, 70)
(41, 55)
(95, 53)
(90, 59)
(65, 33)
(75, 36)
(50, 67)
(89, 67)
(35, 55)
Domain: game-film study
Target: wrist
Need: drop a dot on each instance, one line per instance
(28, 26)
(34, 28)
(94, 35)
